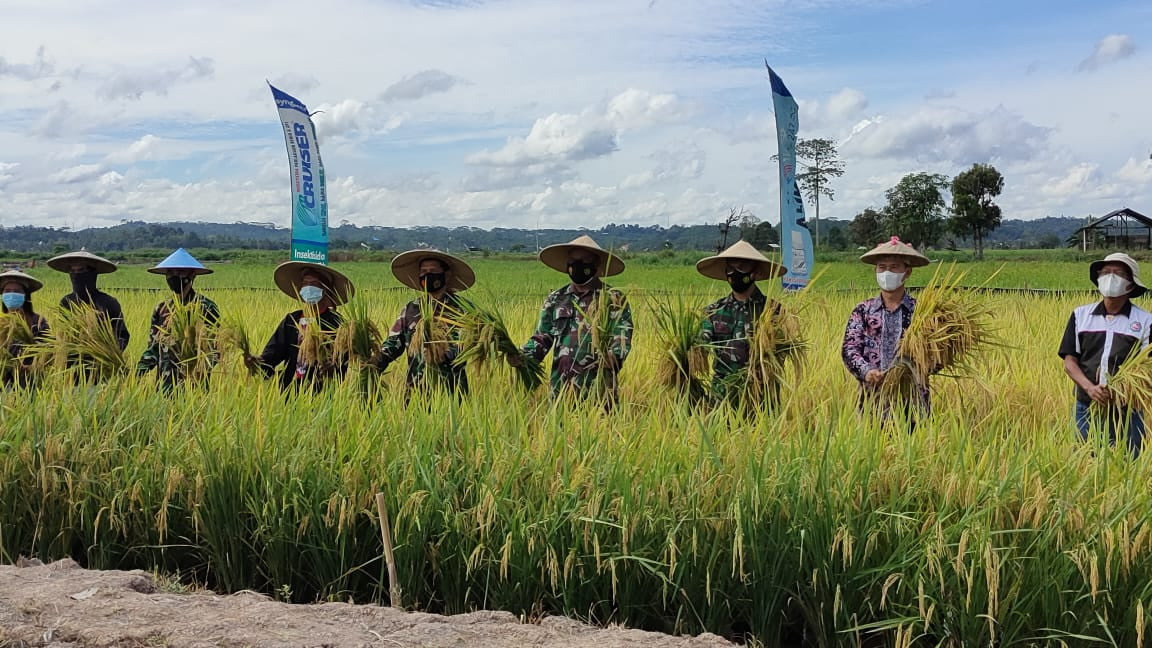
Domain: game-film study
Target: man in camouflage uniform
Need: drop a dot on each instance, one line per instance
(568, 320)
(438, 276)
(180, 269)
(729, 322)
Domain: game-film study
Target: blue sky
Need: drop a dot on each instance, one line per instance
(518, 112)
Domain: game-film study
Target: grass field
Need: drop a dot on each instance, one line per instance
(990, 525)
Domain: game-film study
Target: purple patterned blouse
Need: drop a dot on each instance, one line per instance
(872, 336)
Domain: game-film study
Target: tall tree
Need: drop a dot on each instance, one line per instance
(867, 229)
(821, 162)
(973, 212)
(915, 210)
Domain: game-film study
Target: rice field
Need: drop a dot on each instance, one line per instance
(990, 525)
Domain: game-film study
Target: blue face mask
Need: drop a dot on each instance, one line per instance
(13, 300)
(311, 294)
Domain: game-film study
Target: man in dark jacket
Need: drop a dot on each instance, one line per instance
(84, 267)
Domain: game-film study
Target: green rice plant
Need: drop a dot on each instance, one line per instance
(683, 363)
(484, 337)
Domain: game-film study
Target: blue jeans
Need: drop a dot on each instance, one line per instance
(1109, 419)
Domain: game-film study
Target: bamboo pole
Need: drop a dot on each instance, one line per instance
(389, 557)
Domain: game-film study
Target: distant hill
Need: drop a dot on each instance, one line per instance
(1045, 232)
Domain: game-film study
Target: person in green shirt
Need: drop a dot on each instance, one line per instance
(567, 318)
(439, 277)
(180, 270)
(729, 322)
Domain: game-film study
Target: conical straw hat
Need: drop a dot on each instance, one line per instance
(289, 279)
(556, 256)
(64, 262)
(180, 260)
(406, 268)
(715, 267)
(895, 247)
(30, 283)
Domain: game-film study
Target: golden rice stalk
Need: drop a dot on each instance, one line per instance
(316, 344)
(432, 338)
(1131, 385)
(683, 363)
(15, 338)
(83, 337)
(949, 327)
(234, 335)
(484, 336)
(358, 338)
(776, 341)
(189, 338)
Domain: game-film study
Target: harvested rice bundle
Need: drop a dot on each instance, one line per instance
(233, 334)
(484, 336)
(358, 338)
(601, 323)
(15, 338)
(949, 327)
(683, 363)
(189, 338)
(83, 337)
(316, 344)
(433, 335)
(1131, 385)
(776, 342)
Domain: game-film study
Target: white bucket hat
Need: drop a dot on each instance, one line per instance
(1119, 257)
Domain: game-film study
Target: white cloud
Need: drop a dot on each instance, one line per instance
(142, 149)
(8, 172)
(592, 133)
(948, 134)
(421, 84)
(1136, 172)
(134, 83)
(846, 104)
(78, 174)
(39, 68)
(1109, 49)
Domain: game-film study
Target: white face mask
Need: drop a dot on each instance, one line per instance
(889, 281)
(1113, 285)
(311, 294)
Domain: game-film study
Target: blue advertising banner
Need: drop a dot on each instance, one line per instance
(309, 195)
(795, 238)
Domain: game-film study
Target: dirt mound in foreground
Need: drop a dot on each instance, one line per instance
(61, 605)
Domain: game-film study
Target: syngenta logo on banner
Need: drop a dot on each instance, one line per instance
(307, 193)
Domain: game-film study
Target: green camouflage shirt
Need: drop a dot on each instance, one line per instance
(399, 342)
(562, 328)
(728, 324)
(158, 357)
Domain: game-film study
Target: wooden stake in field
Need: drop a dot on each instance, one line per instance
(389, 557)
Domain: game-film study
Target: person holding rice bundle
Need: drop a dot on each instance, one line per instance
(587, 324)
(17, 290)
(1099, 338)
(298, 342)
(729, 322)
(430, 343)
(876, 326)
(161, 355)
(83, 268)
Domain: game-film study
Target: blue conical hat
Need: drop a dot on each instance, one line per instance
(180, 260)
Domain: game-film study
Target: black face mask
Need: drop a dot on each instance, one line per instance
(433, 281)
(84, 283)
(178, 284)
(581, 272)
(740, 281)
